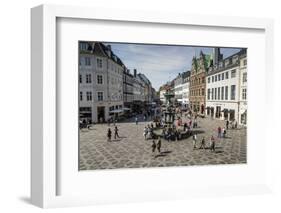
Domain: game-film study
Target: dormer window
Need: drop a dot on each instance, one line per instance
(83, 46)
(226, 62)
(108, 53)
(235, 59)
(230, 61)
(115, 58)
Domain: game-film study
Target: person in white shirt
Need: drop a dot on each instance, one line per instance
(194, 139)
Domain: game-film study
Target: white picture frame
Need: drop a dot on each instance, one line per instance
(45, 170)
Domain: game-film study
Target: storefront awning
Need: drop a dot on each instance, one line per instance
(116, 111)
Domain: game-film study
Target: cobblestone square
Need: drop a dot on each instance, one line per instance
(131, 150)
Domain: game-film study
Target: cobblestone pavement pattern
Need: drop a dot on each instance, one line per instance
(131, 150)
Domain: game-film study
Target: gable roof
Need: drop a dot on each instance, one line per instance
(110, 54)
(207, 60)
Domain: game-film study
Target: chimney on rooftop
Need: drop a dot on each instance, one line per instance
(135, 72)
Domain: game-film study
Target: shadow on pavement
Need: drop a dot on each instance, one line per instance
(160, 155)
(166, 152)
(163, 154)
(194, 131)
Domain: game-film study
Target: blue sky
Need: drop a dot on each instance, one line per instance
(160, 63)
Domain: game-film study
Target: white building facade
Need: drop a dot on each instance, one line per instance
(243, 90)
(223, 88)
(185, 88)
(100, 82)
(178, 88)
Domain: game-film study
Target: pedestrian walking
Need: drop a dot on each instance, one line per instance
(202, 143)
(184, 127)
(136, 119)
(109, 134)
(194, 139)
(164, 133)
(219, 132)
(223, 132)
(195, 123)
(159, 144)
(116, 132)
(212, 146)
(89, 124)
(169, 135)
(84, 123)
(145, 132)
(177, 135)
(227, 124)
(153, 146)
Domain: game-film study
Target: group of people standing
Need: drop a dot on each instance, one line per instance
(221, 132)
(147, 131)
(109, 133)
(233, 124)
(212, 143)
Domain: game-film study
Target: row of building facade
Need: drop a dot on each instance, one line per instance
(215, 86)
(107, 89)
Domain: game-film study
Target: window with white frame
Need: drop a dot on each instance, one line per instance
(222, 76)
(100, 96)
(226, 75)
(222, 93)
(89, 96)
(81, 96)
(99, 63)
(244, 77)
(99, 79)
(80, 79)
(88, 78)
(245, 62)
(244, 94)
(87, 61)
(83, 46)
(233, 73)
(226, 92)
(215, 93)
(233, 90)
